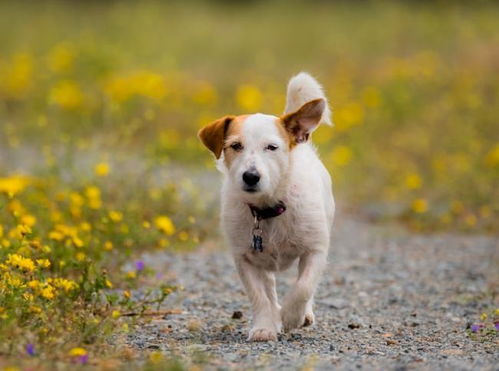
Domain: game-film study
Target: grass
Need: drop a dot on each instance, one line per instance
(99, 162)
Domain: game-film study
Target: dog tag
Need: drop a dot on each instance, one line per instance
(257, 243)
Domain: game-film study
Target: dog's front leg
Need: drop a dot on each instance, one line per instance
(260, 288)
(297, 307)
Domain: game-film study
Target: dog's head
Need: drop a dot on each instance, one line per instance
(255, 149)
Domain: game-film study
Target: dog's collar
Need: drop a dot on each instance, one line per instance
(263, 213)
(267, 212)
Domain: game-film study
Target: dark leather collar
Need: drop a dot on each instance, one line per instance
(267, 212)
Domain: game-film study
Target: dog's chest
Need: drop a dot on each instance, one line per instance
(280, 245)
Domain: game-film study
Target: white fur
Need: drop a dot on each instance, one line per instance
(303, 88)
(299, 179)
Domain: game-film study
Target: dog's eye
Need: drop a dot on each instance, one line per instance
(236, 146)
(272, 147)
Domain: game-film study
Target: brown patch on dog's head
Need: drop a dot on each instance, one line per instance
(213, 135)
(301, 123)
(233, 135)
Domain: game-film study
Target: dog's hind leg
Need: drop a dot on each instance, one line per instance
(297, 307)
(259, 284)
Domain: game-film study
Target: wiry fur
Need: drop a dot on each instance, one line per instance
(297, 177)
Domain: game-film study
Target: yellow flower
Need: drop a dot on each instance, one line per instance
(347, 116)
(34, 284)
(483, 316)
(146, 225)
(115, 314)
(413, 181)
(65, 284)
(44, 263)
(492, 158)
(131, 275)
(60, 58)
(48, 292)
(115, 216)
(101, 169)
(67, 95)
(108, 245)
(419, 205)
(20, 262)
(205, 94)
(109, 284)
(165, 225)
(55, 235)
(77, 352)
(127, 294)
(93, 195)
(19, 76)
(183, 236)
(341, 155)
(249, 98)
(155, 357)
(80, 256)
(13, 184)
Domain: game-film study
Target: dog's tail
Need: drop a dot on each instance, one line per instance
(303, 88)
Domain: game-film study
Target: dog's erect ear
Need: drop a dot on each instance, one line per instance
(302, 122)
(213, 135)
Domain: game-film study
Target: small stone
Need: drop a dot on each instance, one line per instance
(354, 325)
(237, 314)
(391, 342)
(331, 348)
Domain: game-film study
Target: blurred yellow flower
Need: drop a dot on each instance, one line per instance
(28, 220)
(371, 96)
(109, 284)
(140, 83)
(44, 263)
(348, 115)
(77, 352)
(419, 206)
(16, 78)
(48, 292)
(108, 245)
(115, 216)
(20, 262)
(13, 184)
(67, 94)
(101, 169)
(205, 94)
(165, 225)
(155, 357)
(492, 158)
(341, 155)
(249, 98)
(413, 181)
(93, 195)
(115, 314)
(60, 58)
(80, 256)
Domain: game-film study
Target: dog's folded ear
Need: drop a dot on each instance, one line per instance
(302, 122)
(213, 135)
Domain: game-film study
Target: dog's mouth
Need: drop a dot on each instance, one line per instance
(250, 189)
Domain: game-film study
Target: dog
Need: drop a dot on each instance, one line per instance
(277, 203)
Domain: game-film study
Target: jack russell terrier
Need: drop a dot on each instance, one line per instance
(277, 203)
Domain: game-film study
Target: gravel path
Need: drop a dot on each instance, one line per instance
(388, 300)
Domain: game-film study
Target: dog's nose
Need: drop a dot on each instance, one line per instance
(251, 177)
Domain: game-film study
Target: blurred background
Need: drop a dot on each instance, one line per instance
(100, 103)
(413, 86)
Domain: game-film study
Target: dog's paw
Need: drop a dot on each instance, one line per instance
(262, 334)
(292, 319)
(309, 319)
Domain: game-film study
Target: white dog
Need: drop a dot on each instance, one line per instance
(277, 203)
